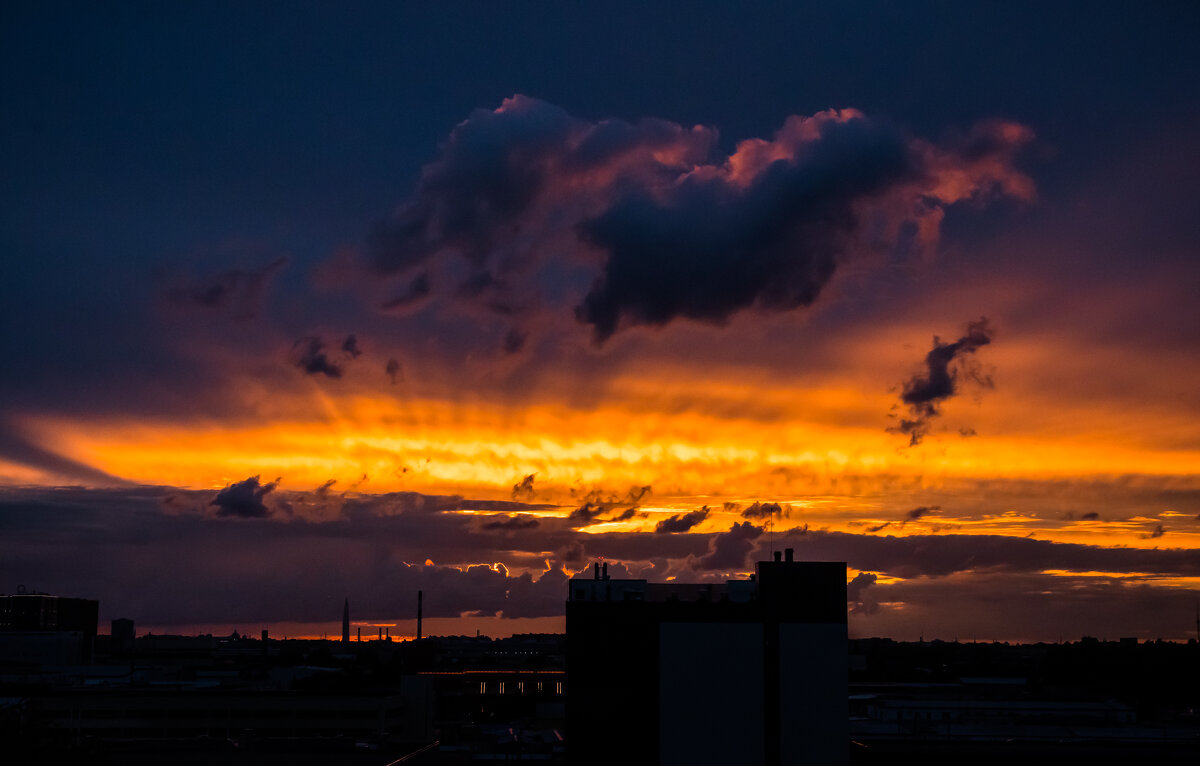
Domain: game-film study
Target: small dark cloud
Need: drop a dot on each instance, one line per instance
(237, 290)
(323, 490)
(857, 593)
(596, 504)
(946, 365)
(588, 512)
(414, 295)
(244, 499)
(514, 341)
(523, 490)
(1090, 516)
(350, 347)
(511, 523)
(763, 511)
(681, 522)
(628, 513)
(880, 527)
(392, 369)
(729, 550)
(309, 355)
(920, 511)
(1158, 532)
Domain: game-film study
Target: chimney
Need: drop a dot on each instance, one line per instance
(596, 571)
(604, 572)
(787, 554)
(360, 633)
(346, 622)
(420, 600)
(778, 557)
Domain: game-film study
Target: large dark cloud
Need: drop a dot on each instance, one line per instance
(945, 367)
(525, 199)
(713, 246)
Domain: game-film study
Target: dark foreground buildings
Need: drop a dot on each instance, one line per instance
(745, 672)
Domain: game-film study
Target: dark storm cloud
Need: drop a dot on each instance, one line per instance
(714, 247)
(675, 231)
(244, 499)
(681, 522)
(237, 290)
(945, 366)
(759, 510)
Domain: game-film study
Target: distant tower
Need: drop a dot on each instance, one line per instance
(346, 622)
(420, 598)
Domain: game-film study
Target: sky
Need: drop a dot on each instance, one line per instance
(322, 303)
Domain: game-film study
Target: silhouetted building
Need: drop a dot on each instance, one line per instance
(41, 611)
(748, 671)
(122, 633)
(346, 622)
(33, 613)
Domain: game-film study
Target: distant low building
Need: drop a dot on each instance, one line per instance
(747, 671)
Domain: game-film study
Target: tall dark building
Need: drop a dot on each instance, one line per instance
(346, 622)
(747, 672)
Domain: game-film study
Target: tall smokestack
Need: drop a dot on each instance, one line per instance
(420, 600)
(346, 622)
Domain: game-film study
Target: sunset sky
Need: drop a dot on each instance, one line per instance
(322, 303)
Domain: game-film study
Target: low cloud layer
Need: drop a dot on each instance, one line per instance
(136, 548)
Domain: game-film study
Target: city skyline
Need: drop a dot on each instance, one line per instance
(356, 304)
